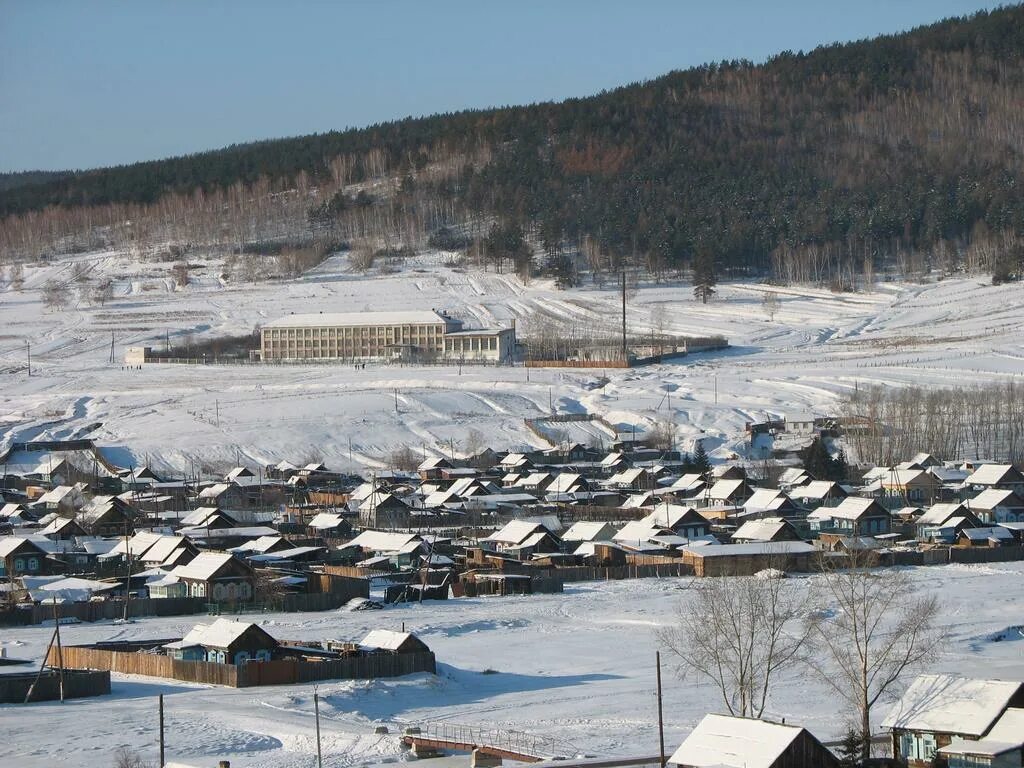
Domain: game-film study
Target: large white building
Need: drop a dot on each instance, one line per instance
(407, 335)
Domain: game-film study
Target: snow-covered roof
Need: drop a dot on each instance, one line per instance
(324, 520)
(984, 534)
(759, 530)
(381, 541)
(586, 531)
(937, 514)
(10, 543)
(1009, 727)
(720, 741)
(515, 532)
(342, 319)
(221, 634)
(991, 498)
(950, 704)
(852, 508)
(816, 489)
(758, 548)
(668, 515)
(639, 531)
(385, 639)
(203, 566)
(992, 474)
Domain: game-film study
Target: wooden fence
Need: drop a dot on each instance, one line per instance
(615, 572)
(250, 674)
(104, 610)
(78, 684)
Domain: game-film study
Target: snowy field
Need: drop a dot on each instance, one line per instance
(818, 346)
(578, 667)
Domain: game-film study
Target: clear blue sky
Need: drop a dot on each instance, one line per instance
(98, 82)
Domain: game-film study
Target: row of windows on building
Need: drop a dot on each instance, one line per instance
(378, 331)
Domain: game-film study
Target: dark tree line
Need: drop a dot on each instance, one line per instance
(812, 164)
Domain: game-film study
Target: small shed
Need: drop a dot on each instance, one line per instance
(389, 641)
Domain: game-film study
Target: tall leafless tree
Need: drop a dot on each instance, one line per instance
(739, 633)
(879, 631)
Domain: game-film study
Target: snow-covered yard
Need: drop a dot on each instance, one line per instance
(578, 667)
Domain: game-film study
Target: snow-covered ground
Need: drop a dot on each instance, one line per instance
(818, 346)
(578, 667)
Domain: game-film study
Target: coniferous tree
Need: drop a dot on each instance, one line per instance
(704, 274)
(701, 462)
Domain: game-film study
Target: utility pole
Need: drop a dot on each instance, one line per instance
(661, 720)
(111, 346)
(716, 388)
(162, 761)
(28, 352)
(396, 401)
(624, 354)
(316, 714)
(60, 650)
(217, 412)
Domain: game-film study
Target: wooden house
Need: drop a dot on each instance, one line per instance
(855, 516)
(62, 529)
(224, 642)
(522, 539)
(944, 521)
(383, 510)
(997, 505)
(731, 492)
(723, 741)
(683, 521)
(938, 710)
(818, 493)
(748, 559)
(24, 557)
(631, 479)
(108, 516)
(1003, 476)
(219, 577)
(430, 469)
(766, 529)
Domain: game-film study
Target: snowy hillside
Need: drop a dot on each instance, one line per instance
(818, 346)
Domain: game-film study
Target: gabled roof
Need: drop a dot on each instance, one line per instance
(564, 482)
(720, 741)
(586, 531)
(670, 515)
(991, 498)
(937, 514)
(204, 566)
(818, 489)
(850, 508)
(386, 639)
(640, 531)
(381, 541)
(220, 634)
(516, 532)
(10, 543)
(323, 520)
(950, 704)
(994, 474)
(760, 530)
(766, 498)
(723, 489)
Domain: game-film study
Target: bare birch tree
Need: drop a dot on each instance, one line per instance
(739, 633)
(879, 632)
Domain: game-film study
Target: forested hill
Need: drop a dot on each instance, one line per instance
(880, 147)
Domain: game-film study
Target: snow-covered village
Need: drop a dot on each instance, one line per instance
(680, 425)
